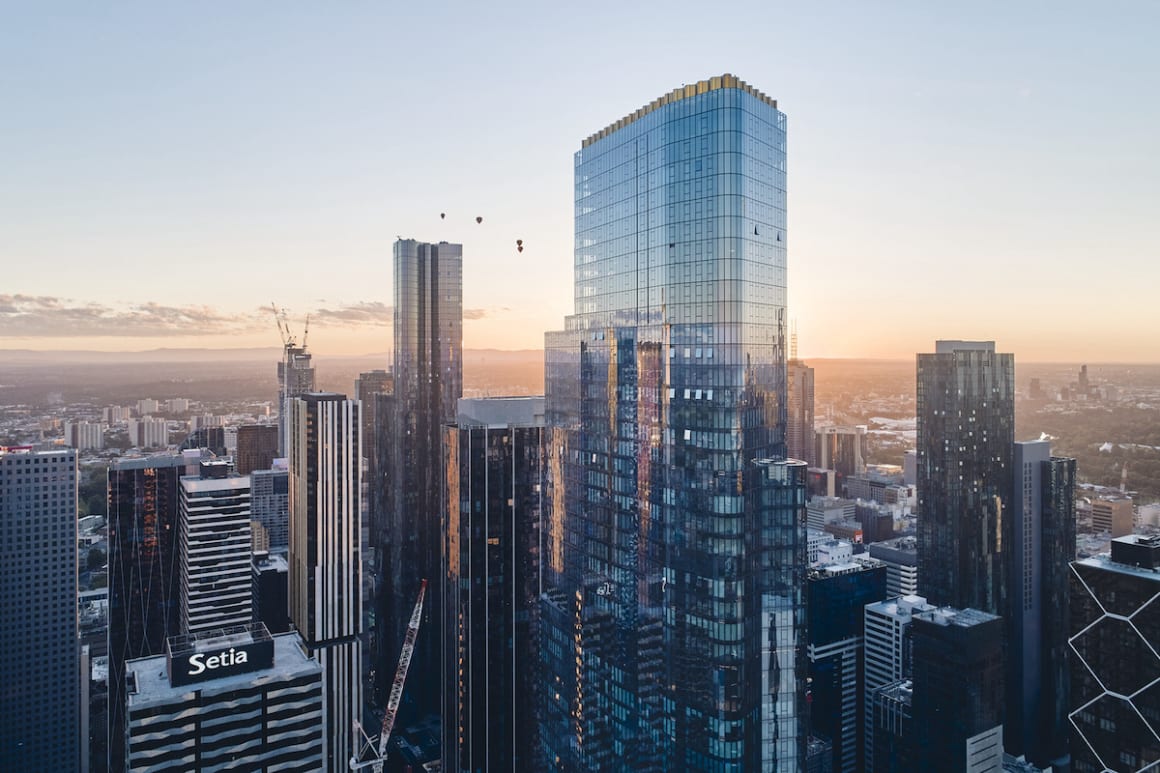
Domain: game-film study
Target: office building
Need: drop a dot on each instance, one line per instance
(213, 549)
(494, 460)
(877, 521)
(821, 511)
(144, 574)
(325, 571)
(232, 699)
(428, 382)
(295, 378)
(1043, 511)
(892, 727)
(836, 596)
(257, 447)
(901, 558)
(40, 655)
(271, 583)
(966, 425)
(799, 428)
(675, 539)
(269, 503)
(887, 658)
(957, 700)
(910, 467)
(841, 449)
(1112, 514)
(147, 406)
(1115, 627)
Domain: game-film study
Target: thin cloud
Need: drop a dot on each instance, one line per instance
(355, 314)
(44, 316)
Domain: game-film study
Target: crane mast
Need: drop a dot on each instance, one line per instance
(396, 695)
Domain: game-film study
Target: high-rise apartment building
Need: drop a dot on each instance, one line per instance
(836, 596)
(40, 655)
(325, 572)
(1043, 511)
(799, 428)
(494, 465)
(428, 382)
(966, 426)
(958, 691)
(1115, 672)
(257, 447)
(673, 620)
(213, 549)
(230, 699)
(144, 576)
(148, 433)
(295, 377)
(84, 435)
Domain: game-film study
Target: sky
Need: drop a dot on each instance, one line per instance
(969, 170)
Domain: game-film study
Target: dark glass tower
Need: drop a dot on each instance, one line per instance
(40, 655)
(1115, 673)
(1043, 510)
(835, 598)
(673, 624)
(144, 575)
(428, 381)
(966, 426)
(493, 503)
(957, 704)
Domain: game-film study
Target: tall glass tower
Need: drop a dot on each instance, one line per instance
(674, 548)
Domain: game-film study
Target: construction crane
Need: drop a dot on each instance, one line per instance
(396, 695)
(283, 325)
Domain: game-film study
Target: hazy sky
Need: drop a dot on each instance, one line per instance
(956, 170)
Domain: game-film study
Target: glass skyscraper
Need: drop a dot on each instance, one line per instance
(674, 547)
(966, 435)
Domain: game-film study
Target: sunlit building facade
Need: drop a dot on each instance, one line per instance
(672, 626)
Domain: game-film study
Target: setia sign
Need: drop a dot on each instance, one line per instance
(194, 666)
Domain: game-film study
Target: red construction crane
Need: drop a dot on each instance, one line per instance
(396, 693)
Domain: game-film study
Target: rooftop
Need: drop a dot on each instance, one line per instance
(152, 680)
(726, 81)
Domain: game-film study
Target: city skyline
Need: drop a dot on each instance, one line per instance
(940, 150)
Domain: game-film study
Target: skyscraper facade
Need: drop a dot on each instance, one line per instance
(957, 703)
(325, 573)
(257, 447)
(799, 429)
(836, 596)
(213, 549)
(675, 548)
(295, 377)
(270, 504)
(428, 381)
(230, 699)
(144, 576)
(966, 427)
(1043, 511)
(494, 465)
(1115, 673)
(40, 656)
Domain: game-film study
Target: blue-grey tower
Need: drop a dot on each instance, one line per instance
(674, 552)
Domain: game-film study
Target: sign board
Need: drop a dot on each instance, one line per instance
(201, 665)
